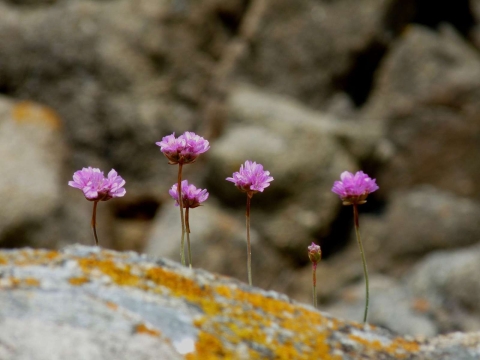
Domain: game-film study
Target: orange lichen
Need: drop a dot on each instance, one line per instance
(30, 282)
(120, 274)
(143, 329)
(29, 112)
(209, 347)
(77, 281)
(111, 305)
(179, 285)
(421, 305)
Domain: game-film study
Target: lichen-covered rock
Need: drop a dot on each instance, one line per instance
(88, 303)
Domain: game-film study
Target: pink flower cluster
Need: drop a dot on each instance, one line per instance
(192, 197)
(251, 178)
(97, 187)
(354, 189)
(183, 150)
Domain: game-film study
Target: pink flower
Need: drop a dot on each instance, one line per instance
(95, 186)
(354, 189)
(314, 253)
(251, 178)
(192, 197)
(185, 149)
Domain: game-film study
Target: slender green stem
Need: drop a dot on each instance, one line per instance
(94, 222)
(365, 271)
(180, 205)
(187, 228)
(314, 278)
(249, 248)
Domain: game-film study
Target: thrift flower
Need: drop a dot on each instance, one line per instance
(96, 187)
(250, 179)
(315, 255)
(353, 190)
(182, 150)
(192, 198)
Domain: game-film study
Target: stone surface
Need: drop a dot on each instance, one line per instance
(88, 303)
(32, 152)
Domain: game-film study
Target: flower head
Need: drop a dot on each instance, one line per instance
(97, 187)
(354, 189)
(251, 178)
(314, 253)
(192, 197)
(183, 150)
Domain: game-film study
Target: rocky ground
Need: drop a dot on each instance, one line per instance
(87, 303)
(308, 88)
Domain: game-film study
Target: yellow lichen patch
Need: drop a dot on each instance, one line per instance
(143, 329)
(179, 285)
(3, 260)
(119, 273)
(77, 281)
(209, 347)
(29, 112)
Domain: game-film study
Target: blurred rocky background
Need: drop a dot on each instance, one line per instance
(309, 88)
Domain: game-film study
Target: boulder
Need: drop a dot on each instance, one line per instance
(306, 50)
(426, 94)
(448, 282)
(32, 150)
(425, 219)
(88, 303)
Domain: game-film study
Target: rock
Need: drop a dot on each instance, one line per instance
(447, 281)
(424, 219)
(426, 93)
(32, 151)
(301, 152)
(88, 303)
(307, 49)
